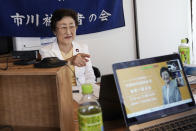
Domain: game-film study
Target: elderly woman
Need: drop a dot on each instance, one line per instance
(64, 23)
(170, 90)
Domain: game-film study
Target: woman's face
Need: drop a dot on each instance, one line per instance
(165, 76)
(65, 30)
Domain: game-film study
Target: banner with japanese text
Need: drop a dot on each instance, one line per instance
(31, 18)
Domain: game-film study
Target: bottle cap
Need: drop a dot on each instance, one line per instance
(184, 41)
(87, 89)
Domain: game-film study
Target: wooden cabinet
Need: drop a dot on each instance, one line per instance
(36, 99)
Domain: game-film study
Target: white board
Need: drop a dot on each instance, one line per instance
(161, 24)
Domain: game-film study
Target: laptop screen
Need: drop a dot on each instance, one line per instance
(152, 88)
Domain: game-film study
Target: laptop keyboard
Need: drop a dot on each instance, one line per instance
(183, 124)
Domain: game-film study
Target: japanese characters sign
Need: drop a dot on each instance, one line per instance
(32, 18)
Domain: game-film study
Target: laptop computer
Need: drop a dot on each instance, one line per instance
(108, 99)
(145, 98)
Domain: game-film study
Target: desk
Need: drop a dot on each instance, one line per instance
(41, 100)
(36, 99)
(193, 88)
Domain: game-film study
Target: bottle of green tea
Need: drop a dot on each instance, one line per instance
(89, 112)
(184, 51)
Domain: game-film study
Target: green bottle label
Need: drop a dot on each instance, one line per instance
(91, 122)
(185, 54)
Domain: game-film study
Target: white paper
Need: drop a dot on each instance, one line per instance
(191, 79)
(77, 96)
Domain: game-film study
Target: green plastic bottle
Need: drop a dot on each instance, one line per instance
(89, 112)
(184, 51)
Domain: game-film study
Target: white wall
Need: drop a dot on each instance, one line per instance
(114, 45)
(161, 25)
(194, 30)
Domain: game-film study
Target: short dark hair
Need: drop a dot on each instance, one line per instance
(59, 14)
(164, 69)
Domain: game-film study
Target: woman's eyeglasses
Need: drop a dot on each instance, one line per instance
(66, 28)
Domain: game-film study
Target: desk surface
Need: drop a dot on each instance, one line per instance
(27, 70)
